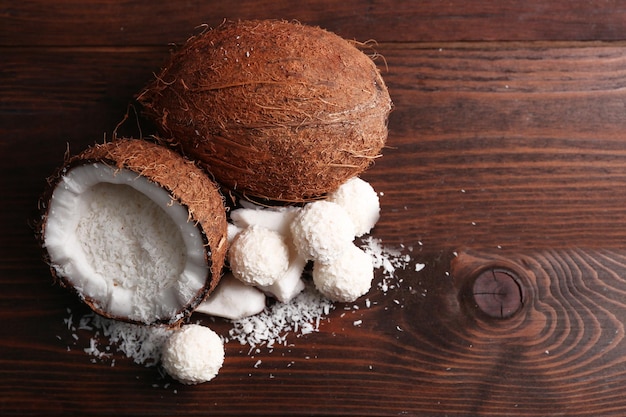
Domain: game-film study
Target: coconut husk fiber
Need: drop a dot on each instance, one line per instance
(186, 183)
(272, 109)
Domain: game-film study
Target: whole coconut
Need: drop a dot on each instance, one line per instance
(273, 109)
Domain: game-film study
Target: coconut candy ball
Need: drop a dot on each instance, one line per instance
(361, 202)
(193, 355)
(321, 231)
(346, 279)
(258, 256)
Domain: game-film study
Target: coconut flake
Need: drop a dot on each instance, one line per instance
(290, 284)
(387, 260)
(300, 316)
(276, 219)
(142, 344)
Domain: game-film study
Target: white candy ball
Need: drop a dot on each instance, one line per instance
(258, 256)
(193, 354)
(321, 231)
(361, 202)
(346, 279)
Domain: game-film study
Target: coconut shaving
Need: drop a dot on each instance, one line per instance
(277, 325)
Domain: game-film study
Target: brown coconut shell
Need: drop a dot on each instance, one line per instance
(273, 109)
(186, 183)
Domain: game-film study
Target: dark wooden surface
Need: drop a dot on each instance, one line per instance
(507, 149)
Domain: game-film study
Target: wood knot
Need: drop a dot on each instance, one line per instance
(497, 293)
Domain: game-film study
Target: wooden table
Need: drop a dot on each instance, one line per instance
(506, 153)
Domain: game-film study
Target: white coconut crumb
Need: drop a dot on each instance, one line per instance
(300, 316)
(134, 262)
(388, 260)
(93, 350)
(270, 328)
(140, 343)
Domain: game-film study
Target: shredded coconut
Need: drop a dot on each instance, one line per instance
(142, 344)
(122, 233)
(300, 316)
(388, 260)
(270, 328)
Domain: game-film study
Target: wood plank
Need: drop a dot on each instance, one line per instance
(145, 22)
(510, 147)
(562, 354)
(517, 145)
(565, 347)
(515, 148)
(57, 96)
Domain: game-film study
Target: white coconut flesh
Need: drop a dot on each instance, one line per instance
(125, 244)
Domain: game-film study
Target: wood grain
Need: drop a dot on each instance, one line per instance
(506, 150)
(508, 145)
(568, 338)
(526, 152)
(99, 22)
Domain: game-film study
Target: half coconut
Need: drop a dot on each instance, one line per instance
(138, 231)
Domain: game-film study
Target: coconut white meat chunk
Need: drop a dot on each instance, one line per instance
(321, 231)
(361, 202)
(232, 231)
(290, 284)
(193, 354)
(232, 299)
(276, 219)
(347, 278)
(123, 244)
(258, 256)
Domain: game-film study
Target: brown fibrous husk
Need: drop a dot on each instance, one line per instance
(186, 183)
(273, 109)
